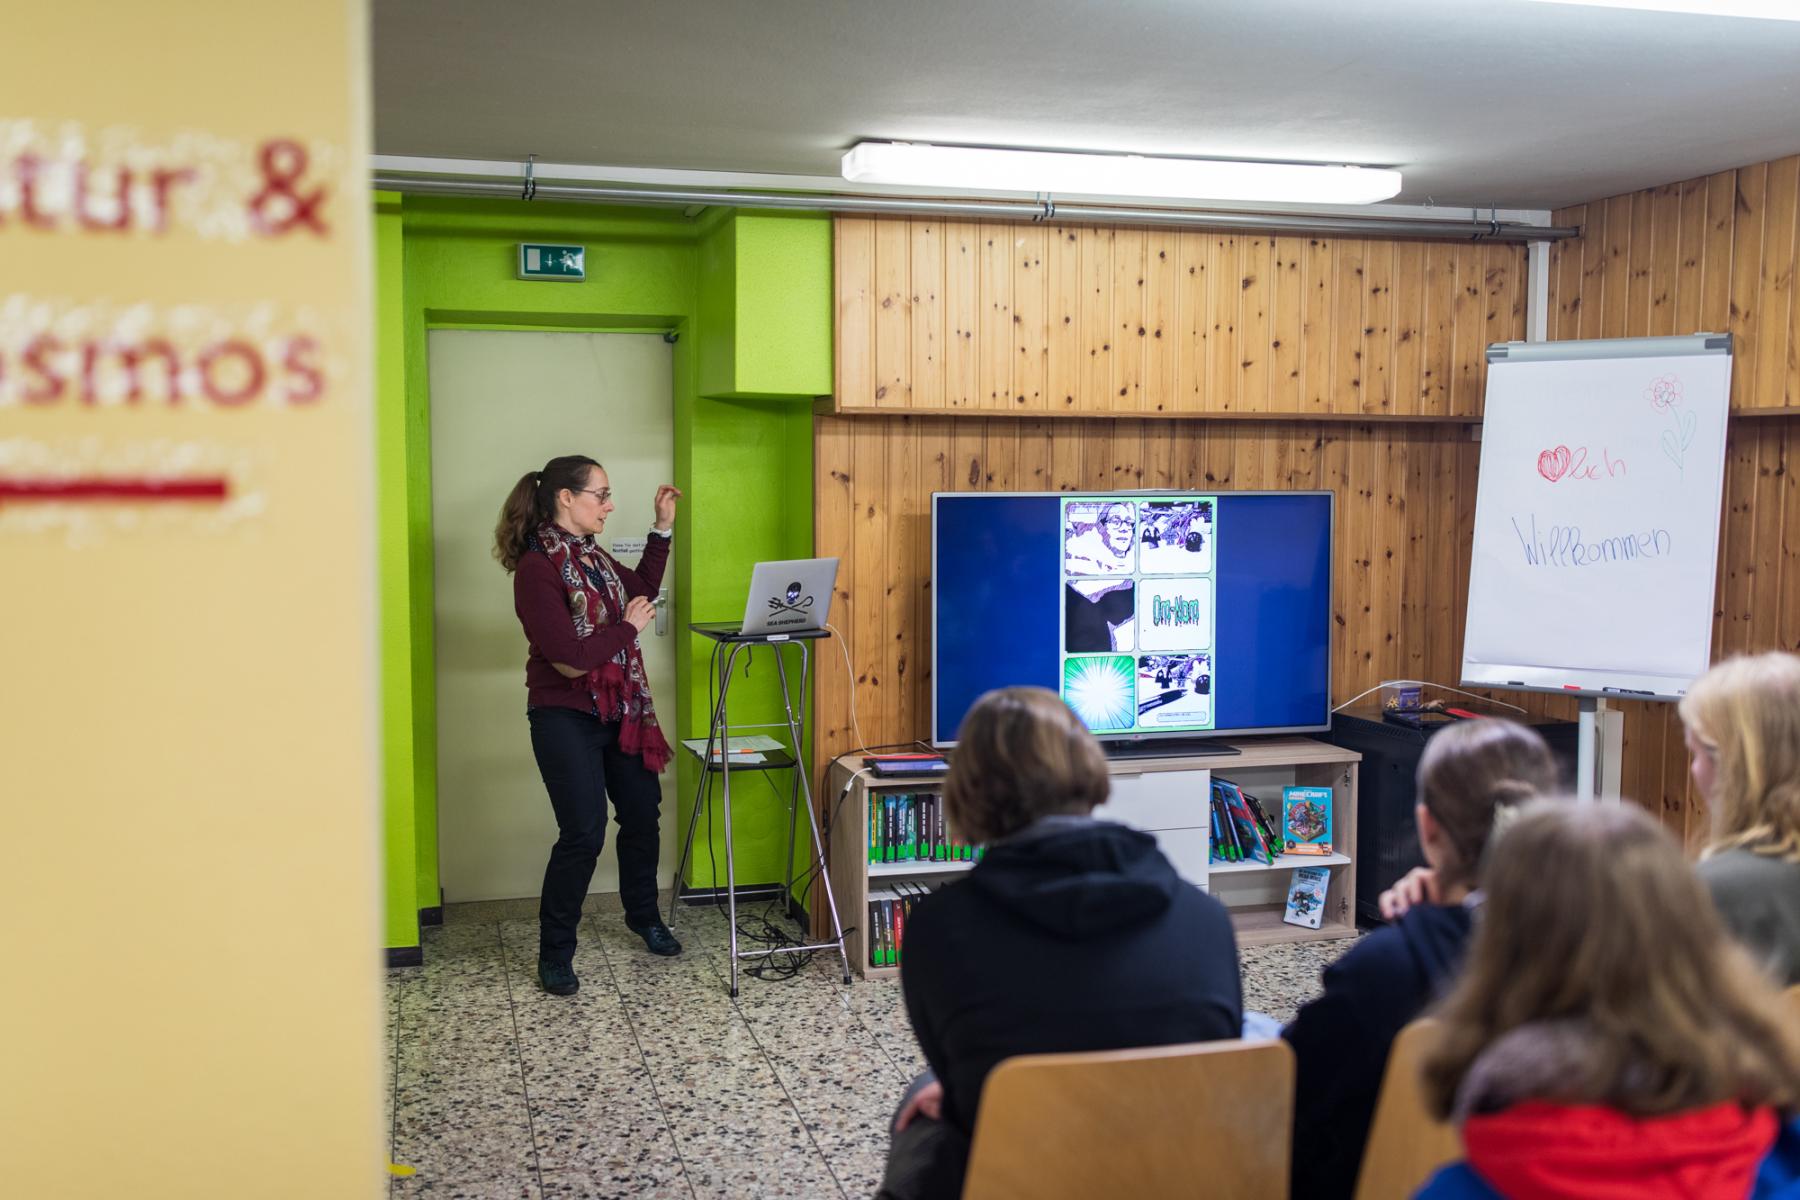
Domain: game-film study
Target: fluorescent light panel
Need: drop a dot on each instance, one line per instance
(1770, 10)
(1115, 174)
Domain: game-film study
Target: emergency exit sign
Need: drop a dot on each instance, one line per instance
(567, 264)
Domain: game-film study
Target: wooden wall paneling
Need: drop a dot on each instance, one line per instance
(1126, 388)
(1287, 321)
(893, 314)
(1677, 790)
(1031, 317)
(1162, 253)
(968, 454)
(1065, 456)
(962, 316)
(908, 561)
(833, 503)
(1468, 315)
(1416, 574)
(1002, 455)
(1441, 551)
(1317, 304)
(1776, 362)
(1615, 305)
(1593, 271)
(1721, 217)
(1063, 343)
(1459, 492)
(1193, 301)
(1788, 635)
(1765, 549)
(936, 471)
(1565, 277)
(1378, 327)
(1746, 283)
(1389, 451)
(994, 331)
(1096, 320)
(1665, 258)
(1160, 448)
(1225, 265)
(1440, 286)
(1688, 255)
(1256, 288)
(1406, 375)
(1790, 385)
(927, 300)
(867, 626)
(1504, 316)
(1357, 489)
(1347, 327)
(1638, 256)
(854, 267)
(1737, 597)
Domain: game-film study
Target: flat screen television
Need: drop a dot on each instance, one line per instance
(1155, 615)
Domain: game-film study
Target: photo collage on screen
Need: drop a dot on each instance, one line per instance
(1137, 648)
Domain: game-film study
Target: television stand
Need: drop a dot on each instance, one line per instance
(1131, 751)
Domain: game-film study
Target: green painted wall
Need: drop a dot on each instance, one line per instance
(726, 283)
(394, 579)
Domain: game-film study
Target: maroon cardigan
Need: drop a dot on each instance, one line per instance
(542, 603)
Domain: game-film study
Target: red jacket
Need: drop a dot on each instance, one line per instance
(542, 603)
(1541, 1151)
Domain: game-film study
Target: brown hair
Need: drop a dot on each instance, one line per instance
(1747, 710)
(1021, 754)
(1592, 913)
(1470, 778)
(532, 501)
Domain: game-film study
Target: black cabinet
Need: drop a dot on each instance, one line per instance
(1387, 845)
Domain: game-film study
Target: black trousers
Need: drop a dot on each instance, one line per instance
(579, 757)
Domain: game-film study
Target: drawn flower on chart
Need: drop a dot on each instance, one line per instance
(1664, 392)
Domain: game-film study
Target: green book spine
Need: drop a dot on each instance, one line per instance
(874, 827)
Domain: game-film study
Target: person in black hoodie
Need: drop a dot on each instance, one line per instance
(1070, 934)
(1469, 776)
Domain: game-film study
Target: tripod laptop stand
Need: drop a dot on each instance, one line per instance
(727, 645)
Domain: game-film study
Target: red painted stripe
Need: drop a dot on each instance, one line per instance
(95, 488)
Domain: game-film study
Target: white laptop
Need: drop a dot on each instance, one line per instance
(789, 596)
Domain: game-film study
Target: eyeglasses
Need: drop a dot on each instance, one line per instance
(1117, 522)
(600, 494)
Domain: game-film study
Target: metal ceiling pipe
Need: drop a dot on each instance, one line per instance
(1472, 229)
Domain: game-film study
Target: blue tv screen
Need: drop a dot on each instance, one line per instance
(1153, 614)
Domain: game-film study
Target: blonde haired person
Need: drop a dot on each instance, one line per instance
(1606, 1039)
(1070, 933)
(1742, 721)
(1470, 776)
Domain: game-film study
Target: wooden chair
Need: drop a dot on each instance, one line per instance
(1199, 1120)
(1406, 1143)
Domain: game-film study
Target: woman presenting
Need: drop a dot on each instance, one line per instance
(593, 726)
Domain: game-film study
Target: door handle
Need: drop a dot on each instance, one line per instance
(662, 612)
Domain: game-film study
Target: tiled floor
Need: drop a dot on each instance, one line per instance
(652, 1081)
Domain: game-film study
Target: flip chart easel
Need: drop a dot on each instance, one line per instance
(1597, 512)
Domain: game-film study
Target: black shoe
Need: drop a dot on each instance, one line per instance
(657, 937)
(558, 978)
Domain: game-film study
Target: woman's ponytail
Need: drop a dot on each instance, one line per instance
(532, 501)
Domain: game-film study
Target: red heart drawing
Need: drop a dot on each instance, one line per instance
(1553, 463)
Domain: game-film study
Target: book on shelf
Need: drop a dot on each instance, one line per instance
(1306, 819)
(1270, 829)
(888, 913)
(1306, 897)
(910, 827)
(1250, 838)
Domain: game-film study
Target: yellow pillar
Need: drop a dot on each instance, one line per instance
(189, 921)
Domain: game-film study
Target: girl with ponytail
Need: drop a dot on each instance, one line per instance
(1471, 778)
(593, 724)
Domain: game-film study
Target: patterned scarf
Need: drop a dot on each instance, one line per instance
(620, 688)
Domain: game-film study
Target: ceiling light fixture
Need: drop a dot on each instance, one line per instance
(1768, 10)
(1115, 174)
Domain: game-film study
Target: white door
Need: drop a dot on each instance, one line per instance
(501, 405)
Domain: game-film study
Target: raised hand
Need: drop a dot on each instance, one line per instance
(666, 496)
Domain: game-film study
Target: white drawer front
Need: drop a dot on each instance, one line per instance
(1186, 850)
(1159, 800)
